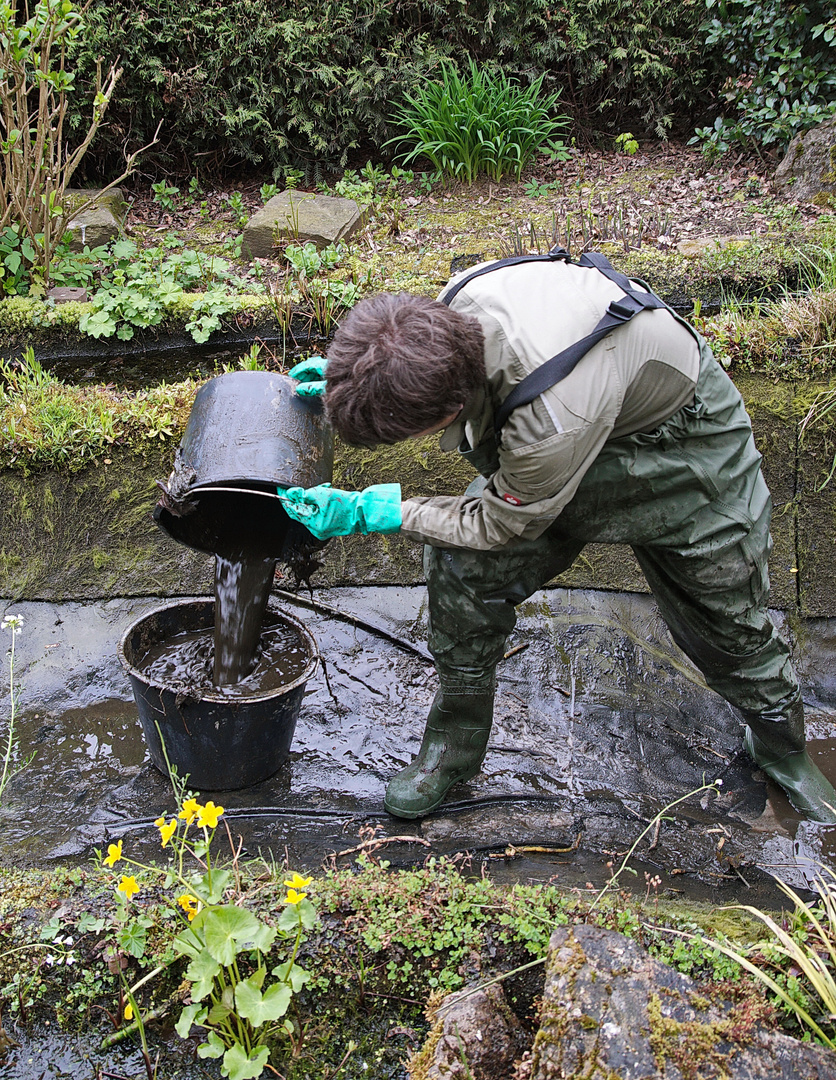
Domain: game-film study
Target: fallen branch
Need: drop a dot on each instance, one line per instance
(363, 624)
(380, 841)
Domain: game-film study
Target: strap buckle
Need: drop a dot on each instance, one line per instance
(620, 311)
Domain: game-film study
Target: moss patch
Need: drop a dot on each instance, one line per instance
(65, 537)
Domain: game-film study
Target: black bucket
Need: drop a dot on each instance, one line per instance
(223, 742)
(249, 432)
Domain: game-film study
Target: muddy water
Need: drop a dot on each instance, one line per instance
(277, 657)
(242, 589)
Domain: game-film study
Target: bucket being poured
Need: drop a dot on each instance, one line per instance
(221, 739)
(211, 694)
(248, 433)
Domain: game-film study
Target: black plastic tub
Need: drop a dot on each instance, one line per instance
(222, 742)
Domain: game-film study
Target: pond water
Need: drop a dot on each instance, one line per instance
(600, 722)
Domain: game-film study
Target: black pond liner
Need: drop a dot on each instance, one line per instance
(223, 742)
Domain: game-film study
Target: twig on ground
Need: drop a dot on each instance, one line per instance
(379, 841)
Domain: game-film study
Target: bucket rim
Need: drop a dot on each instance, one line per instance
(223, 484)
(226, 699)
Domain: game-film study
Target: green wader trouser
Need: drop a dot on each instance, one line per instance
(691, 501)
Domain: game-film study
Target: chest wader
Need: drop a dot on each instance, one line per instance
(703, 551)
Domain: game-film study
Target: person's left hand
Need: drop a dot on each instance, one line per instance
(310, 374)
(327, 511)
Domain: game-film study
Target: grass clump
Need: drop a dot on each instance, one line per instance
(479, 122)
(46, 423)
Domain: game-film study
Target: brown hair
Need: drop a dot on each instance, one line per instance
(400, 364)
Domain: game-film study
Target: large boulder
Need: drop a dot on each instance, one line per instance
(808, 171)
(299, 215)
(609, 1009)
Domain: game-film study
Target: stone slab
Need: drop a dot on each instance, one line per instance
(298, 215)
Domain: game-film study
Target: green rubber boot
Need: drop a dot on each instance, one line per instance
(777, 744)
(454, 745)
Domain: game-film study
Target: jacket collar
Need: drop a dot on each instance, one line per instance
(471, 422)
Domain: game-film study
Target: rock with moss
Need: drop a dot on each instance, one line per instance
(475, 1036)
(807, 172)
(610, 1010)
(99, 223)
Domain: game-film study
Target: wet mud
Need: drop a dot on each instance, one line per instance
(600, 723)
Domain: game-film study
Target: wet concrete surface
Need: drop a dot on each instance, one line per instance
(600, 722)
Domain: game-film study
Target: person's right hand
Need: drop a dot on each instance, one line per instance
(310, 374)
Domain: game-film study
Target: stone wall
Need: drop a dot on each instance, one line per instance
(90, 534)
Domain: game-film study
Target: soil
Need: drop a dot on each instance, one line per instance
(670, 182)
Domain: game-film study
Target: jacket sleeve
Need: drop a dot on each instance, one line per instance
(533, 484)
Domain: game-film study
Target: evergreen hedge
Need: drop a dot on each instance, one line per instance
(290, 83)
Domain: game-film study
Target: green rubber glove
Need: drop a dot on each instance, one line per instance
(311, 376)
(327, 511)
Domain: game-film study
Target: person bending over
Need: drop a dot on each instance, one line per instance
(632, 435)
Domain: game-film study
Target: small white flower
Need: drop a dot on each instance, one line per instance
(13, 623)
(70, 959)
(49, 959)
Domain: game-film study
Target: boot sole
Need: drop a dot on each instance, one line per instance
(411, 815)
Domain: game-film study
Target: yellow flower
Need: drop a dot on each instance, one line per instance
(298, 882)
(191, 808)
(166, 831)
(128, 1011)
(128, 886)
(207, 816)
(189, 904)
(114, 854)
(294, 897)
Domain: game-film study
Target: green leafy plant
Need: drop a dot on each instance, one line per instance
(239, 997)
(308, 261)
(539, 189)
(239, 210)
(293, 178)
(481, 122)
(351, 186)
(627, 143)
(164, 195)
(556, 150)
(780, 59)
(140, 287)
(37, 160)
(268, 191)
(427, 181)
(714, 141)
(18, 259)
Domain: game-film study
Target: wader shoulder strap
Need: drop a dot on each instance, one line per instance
(555, 255)
(558, 367)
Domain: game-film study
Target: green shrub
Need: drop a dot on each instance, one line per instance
(481, 122)
(780, 64)
(289, 83)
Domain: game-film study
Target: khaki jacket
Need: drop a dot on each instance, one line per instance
(634, 379)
